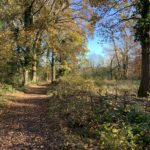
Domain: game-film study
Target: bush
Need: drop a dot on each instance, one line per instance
(97, 119)
(4, 88)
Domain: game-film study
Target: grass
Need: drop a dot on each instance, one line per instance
(121, 85)
(88, 120)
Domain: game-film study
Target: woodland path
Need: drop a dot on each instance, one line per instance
(24, 124)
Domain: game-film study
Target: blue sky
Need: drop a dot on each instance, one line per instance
(96, 54)
(95, 47)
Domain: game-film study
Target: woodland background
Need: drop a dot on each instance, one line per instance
(106, 103)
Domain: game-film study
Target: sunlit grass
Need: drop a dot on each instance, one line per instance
(120, 86)
(5, 89)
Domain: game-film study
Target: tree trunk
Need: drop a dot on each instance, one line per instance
(111, 69)
(47, 76)
(28, 17)
(47, 65)
(125, 67)
(116, 52)
(144, 36)
(53, 75)
(34, 69)
(145, 72)
(28, 21)
(125, 71)
(25, 76)
(117, 57)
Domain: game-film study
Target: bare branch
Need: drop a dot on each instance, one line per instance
(40, 8)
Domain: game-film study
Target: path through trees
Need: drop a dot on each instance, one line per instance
(25, 123)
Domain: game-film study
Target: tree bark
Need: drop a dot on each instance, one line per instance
(47, 65)
(144, 36)
(53, 75)
(28, 17)
(34, 69)
(26, 77)
(111, 69)
(145, 72)
(28, 21)
(125, 67)
(116, 54)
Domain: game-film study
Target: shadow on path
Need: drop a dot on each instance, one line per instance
(25, 123)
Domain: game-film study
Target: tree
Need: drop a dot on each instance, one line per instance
(143, 35)
(115, 14)
(29, 22)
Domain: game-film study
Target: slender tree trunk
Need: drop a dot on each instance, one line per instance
(47, 76)
(34, 68)
(25, 76)
(125, 67)
(116, 52)
(125, 71)
(111, 69)
(117, 57)
(53, 75)
(47, 65)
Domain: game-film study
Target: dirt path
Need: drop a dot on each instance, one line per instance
(24, 125)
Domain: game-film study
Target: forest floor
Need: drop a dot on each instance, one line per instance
(24, 123)
(60, 117)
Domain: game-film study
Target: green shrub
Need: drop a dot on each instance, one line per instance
(4, 88)
(98, 119)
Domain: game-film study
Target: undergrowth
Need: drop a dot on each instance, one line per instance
(92, 121)
(4, 89)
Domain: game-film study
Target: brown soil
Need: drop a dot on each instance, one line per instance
(25, 125)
